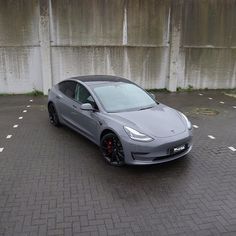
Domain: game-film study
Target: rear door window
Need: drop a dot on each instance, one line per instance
(68, 88)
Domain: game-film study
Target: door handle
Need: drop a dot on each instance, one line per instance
(74, 111)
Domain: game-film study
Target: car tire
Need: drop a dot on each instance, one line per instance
(112, 150)
(53, 116)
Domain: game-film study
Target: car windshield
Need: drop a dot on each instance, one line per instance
(118, 96)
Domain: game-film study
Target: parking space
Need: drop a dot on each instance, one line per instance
(53, 181)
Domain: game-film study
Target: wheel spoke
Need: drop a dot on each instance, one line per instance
(112, 150)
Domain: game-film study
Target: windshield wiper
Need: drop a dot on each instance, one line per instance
(145, 108)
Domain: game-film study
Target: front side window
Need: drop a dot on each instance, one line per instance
(82, 95)
(68, 88)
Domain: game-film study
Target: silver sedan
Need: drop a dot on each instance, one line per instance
(127, 122)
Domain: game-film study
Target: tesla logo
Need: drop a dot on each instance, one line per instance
(172, 131)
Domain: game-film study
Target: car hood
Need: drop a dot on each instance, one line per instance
(160, 121)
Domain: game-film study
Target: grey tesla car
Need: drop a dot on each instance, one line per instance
(127, 122)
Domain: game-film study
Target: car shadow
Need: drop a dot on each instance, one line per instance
(97, 163)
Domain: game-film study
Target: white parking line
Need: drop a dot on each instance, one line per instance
(222, 102)
(200, 94)
(24, 111)
(20, 118)
(232, 149)
(28, 106)
(211, 137)
(1, 149)
(31, 100)
(234, 107)
(210, 98)
(195, 126)
(8, 136)
(15, 126)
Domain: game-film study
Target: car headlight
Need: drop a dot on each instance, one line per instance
(189, 125)
(136, 135)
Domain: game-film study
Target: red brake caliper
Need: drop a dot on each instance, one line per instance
(109, 147)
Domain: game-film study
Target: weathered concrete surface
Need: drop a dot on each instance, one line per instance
(209, 23)
(114, 23)
(210, 68)
(134, 63)
(82, 22)
(102, 22)
(19, 22)
(156, 43)
(175, 67)
(44, 32)
(20, 67)
(20, 70)
(148, 22)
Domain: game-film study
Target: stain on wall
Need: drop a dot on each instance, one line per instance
(134, 63)
(148, 22)
(209, 40)
(209, 22)
(112, 25)
(83, 22)
(20, 68)
(210, 68)
(19, 22)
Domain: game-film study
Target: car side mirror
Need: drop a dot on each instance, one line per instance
(153, 96)
(86, 107)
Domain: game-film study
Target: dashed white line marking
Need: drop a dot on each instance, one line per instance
(211, 137)
(24, 111)
(31, 100)
(20, 118)
(200, 94)
(222, 102)
(234, 107)
(1, 149)
(195, 126)
(210, 98)
(8, 136)
(15, 126)
(28, 106)
(232, 149)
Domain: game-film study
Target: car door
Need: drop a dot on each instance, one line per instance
(65, 99)
(86, 121)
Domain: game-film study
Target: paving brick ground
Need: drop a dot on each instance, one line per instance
(55, 182)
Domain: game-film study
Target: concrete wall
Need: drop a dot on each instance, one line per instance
(116, 37)
(20, 69)
(156, 43)
(209, 44)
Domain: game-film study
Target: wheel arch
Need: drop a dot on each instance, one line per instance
(50, 102)
(107, 131)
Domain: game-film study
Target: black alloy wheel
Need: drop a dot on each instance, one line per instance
(53, 117)
(112, 150)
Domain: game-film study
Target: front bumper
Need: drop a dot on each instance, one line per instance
(157, 151)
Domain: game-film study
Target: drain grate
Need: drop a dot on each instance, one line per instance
(205, 111)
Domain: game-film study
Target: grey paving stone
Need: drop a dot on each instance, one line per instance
(55, 182)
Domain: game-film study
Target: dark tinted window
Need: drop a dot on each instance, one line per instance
(68, 88)
(82, 95)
